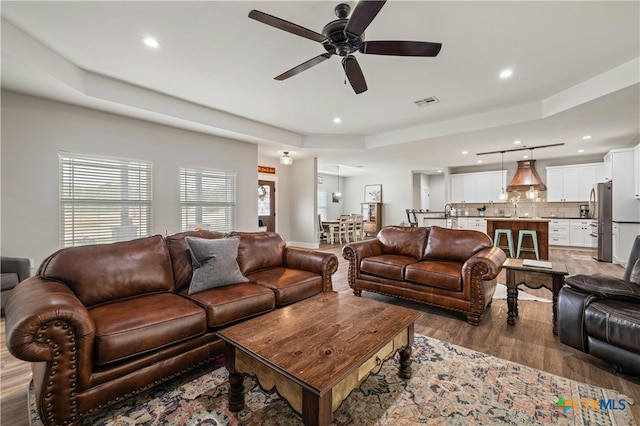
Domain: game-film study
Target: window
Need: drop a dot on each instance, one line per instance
(103, 200)
(322, 204)
(207, 199)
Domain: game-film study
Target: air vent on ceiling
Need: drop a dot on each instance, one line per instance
(427, 101)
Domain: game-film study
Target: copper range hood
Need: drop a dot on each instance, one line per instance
(526, 177)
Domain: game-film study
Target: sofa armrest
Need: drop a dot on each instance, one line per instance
(18, 265)
(324, 264)
(355, 252)
(571, 307)
(491, 260)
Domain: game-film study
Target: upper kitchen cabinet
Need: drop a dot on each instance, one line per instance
(573, 183)
(482, 187)
(625, 207)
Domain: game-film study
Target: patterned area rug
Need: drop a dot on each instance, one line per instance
(450, 385)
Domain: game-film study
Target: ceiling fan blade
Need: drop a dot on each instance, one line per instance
(354, 74)
(303, 66)
(400, 48)
(287, 26)
(362, 16)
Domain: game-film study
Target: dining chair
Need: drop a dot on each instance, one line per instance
(358, 223)
(343, 228)
(322, 233)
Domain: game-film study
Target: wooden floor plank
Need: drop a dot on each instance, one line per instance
(529, 342)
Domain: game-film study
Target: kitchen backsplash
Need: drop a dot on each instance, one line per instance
(524, 208)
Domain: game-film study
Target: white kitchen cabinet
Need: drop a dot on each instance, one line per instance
(625, 207)
(636, 168)
(559, 232)
(615, 242)
(624, 235)
(482, 187)
(580, 233)
(572, 183)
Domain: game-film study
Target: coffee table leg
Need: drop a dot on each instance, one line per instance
(316, 409)
(405, 371)
(558, 282)
(511, 297)
(236, 385)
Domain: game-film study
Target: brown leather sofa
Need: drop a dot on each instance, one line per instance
(453, 269)
(600, 315)
(101, 323)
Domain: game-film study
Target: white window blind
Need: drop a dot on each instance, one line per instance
(207, 199)
(103, 200)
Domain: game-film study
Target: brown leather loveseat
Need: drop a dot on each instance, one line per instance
(104, 322)
(453, 269)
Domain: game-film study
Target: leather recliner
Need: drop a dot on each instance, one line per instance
(600, 315)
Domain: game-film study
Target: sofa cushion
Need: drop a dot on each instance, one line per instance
(289, 285)
(605, 286)
(403, 241)
(614, 321)
(386, 265)
(436, 273)
(214, 263)
(106, 272)
(8, 280)
(160, 320)
(233, 303)
(259, 250)
(181, 257)
(456, 245)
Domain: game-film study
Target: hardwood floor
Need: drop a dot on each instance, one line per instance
(530, 342)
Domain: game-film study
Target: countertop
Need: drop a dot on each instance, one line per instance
(517, 219)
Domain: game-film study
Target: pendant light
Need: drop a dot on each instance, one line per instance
(502, 195)
(338, 194)
(531, 193)
(286, 159)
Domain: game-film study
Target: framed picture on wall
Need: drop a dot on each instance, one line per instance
(373, 193)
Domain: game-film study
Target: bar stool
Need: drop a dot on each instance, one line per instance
(496, 239)
(534, 237)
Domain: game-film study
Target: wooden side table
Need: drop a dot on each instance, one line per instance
(532, 277)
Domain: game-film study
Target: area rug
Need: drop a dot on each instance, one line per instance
(501, 293)
(450, 386)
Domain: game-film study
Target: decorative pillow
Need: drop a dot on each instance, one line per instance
(635, 272)
(605, 286)
(214, 263)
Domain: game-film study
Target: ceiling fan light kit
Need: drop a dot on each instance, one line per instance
(286, 159)
(344, 37)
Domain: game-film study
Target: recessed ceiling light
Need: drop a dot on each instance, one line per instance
(439, 171)
(581, 150)
(465, 152)
(151, 42)
(525, 156)
(479, 161)
(506, 73)
(586, 137)
(517, 142)
(337, 120)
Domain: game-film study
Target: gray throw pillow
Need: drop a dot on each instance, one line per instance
(214, 263)
(635, 272)
(605, 286)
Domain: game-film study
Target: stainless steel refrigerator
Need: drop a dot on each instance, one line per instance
(603, 218)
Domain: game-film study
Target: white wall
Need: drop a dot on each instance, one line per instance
(330, 185)
(397, 194)
(34, 130)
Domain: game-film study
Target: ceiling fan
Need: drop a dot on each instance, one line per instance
(344, 36)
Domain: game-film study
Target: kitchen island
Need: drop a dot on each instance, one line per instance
(515, 224)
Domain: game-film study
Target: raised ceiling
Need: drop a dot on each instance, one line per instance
(575, 63)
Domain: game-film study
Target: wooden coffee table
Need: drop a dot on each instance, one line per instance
(315, 352)
(532, 277)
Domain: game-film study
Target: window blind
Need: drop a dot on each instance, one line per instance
(103, 200)
(207, 199)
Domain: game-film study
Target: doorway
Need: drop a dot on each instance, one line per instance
(267, 205)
